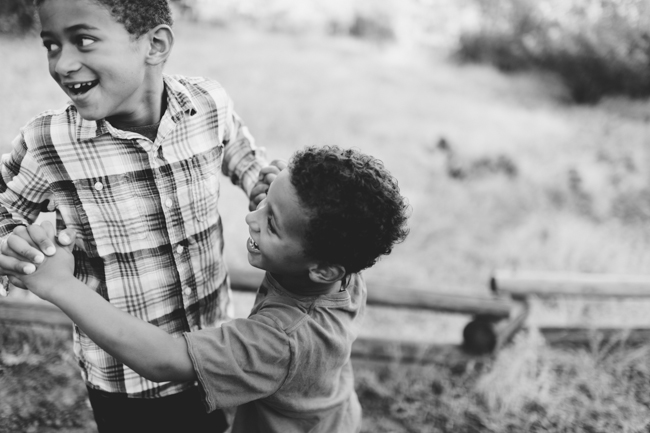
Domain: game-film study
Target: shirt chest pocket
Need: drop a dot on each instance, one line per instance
(204, 184)
(111, 213)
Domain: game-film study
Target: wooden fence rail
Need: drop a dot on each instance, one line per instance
(523, 285)
(487, 330)
(520, 284)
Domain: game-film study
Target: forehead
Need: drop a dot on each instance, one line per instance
(61, 15)
(289, 213)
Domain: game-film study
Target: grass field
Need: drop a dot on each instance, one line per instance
(523, 180)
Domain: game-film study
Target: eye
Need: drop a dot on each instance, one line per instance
(269, 223)
(84, 41)
(51, 46)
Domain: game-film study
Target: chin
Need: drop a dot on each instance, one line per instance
(91, 117)
(254, 263)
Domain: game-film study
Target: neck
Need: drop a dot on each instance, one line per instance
(304, 286)
(150, 110)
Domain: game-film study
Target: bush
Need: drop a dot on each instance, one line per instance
(17, 16)
(599, 47)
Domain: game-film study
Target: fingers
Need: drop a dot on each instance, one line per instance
(19, 245)
(41, 238)
(49, 228)
(279, 163)
(17, 283)
(13, 266)
(270, 172)
(255, 201)
(67, 238)
(266, 177)
(259, 188)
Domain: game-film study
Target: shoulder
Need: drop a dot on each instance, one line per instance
(49, 122)
(199, 87)
(286, 314)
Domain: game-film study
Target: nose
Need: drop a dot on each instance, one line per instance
(67, 61)
(251, 220)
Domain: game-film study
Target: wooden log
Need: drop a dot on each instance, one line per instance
(588, 336)
(29, 313)
(520, 284)
(506, 329)
(401, 297)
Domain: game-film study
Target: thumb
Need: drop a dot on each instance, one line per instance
(67, 238)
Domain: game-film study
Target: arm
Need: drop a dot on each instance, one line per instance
(242, 160)
(24, 191)
(148, 350)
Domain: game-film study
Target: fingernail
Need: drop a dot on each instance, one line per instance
(63, 237)
(50, 251)
(29, 269)
(39, 258)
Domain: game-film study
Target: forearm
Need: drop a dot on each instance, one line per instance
(242, 159)
(146, 349)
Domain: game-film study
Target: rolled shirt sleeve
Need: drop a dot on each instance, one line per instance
(243, 160)
(23, 187)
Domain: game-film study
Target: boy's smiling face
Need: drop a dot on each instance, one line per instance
(95, 60)
(277, 229)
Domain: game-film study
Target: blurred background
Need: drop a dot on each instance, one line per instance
(519, 130)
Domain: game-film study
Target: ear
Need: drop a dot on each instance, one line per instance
(160, 42)
(323, 273)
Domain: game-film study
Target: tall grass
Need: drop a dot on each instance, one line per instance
(528, 387)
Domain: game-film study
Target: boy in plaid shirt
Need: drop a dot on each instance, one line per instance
(132, 166)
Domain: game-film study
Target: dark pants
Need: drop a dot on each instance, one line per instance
(183, 412)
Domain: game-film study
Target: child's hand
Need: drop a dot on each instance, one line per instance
(267, 175)
(54, 270)
(23, 249)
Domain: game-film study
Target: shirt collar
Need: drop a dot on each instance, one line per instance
(179, 102)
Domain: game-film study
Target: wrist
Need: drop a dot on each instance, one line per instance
(59, 287)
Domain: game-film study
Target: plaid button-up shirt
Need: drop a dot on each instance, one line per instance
(149, 236)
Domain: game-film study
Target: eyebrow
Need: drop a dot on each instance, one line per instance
(71, 29)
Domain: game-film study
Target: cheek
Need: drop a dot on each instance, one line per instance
(51, 65)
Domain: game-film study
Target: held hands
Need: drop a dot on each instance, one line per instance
(267, 175)
(27, 247)
(56, 268)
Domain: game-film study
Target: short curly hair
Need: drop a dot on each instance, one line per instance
(138, 17)
(356, 211)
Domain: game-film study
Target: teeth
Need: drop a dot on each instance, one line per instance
(80, 86)
(253, 244)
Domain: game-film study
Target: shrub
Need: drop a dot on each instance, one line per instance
(17, 16)
(598, 48)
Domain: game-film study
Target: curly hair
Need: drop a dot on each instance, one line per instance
(138, 17)
(356, 211)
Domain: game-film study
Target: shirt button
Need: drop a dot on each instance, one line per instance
(187, 291)
(99, 186)
(169, 202)
(179, 249)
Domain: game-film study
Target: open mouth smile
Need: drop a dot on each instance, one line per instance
(81, 88)
(252, 245)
